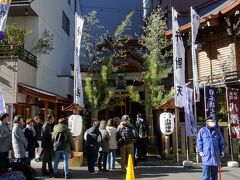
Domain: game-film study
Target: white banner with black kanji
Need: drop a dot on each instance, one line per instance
(78, 89)
(178, 61)
(195, 22)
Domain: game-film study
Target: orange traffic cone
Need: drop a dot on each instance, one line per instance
(130, 169)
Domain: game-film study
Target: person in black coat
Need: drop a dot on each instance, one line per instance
(92, 139)
(38, 128)
(30, 135)
(47, 145)
(142, 141)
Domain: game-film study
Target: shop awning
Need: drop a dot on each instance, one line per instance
(41, 94)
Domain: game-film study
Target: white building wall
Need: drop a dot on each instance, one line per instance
(8, 79)
(59, 60)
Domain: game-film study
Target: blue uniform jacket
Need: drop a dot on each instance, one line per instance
(211, 143)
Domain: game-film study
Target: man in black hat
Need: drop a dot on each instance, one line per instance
(211, 148)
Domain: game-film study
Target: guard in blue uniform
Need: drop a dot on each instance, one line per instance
(211, 149)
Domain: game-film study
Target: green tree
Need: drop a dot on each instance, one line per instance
(98, 90)
(14, 35)
(157, 63)
(93, 35)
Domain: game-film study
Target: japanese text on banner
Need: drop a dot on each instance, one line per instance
(211, 103)
(234, 112)
(178, 62)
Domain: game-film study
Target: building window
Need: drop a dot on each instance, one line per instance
(65, 23)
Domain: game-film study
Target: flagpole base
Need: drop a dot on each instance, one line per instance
(232, 164)
(187, 163)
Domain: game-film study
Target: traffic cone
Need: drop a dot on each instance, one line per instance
(130, 169)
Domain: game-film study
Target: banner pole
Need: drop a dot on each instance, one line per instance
(187, 146)
(194, 89)
(229, 127)
(195, 114)
(176, 124)
(205, 104)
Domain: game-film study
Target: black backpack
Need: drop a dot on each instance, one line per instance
(128, 134)
(60, 142)
(142, 130)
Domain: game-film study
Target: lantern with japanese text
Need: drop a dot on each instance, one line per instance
(75, 124)
(166, 123)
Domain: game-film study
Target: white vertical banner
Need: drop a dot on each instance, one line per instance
(4, 8)
(195, 22)
(178, 62)
(2, 103)
(78, 89)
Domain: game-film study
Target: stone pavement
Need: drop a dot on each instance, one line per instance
(149, 172)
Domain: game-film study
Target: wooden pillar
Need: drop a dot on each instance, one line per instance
(235, 146)
(174, 141)
(56, 111)
(191, 145)
(167, 146)
(46, 109)
(125, 100)
(163, 144)
(183, 144)
(226, 140)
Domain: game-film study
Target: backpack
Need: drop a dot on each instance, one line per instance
(60, 142)
(128, 135)
(142, 130)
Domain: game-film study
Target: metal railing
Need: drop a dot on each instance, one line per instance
(19, 52)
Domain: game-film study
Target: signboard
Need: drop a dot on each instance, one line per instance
(211, 103)
(234, 112)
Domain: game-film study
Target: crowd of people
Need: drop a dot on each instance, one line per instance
(29, 140)
(34, 139)
(104, 138)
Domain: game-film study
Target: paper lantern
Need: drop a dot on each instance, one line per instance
(75, 124)
(166, 123)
